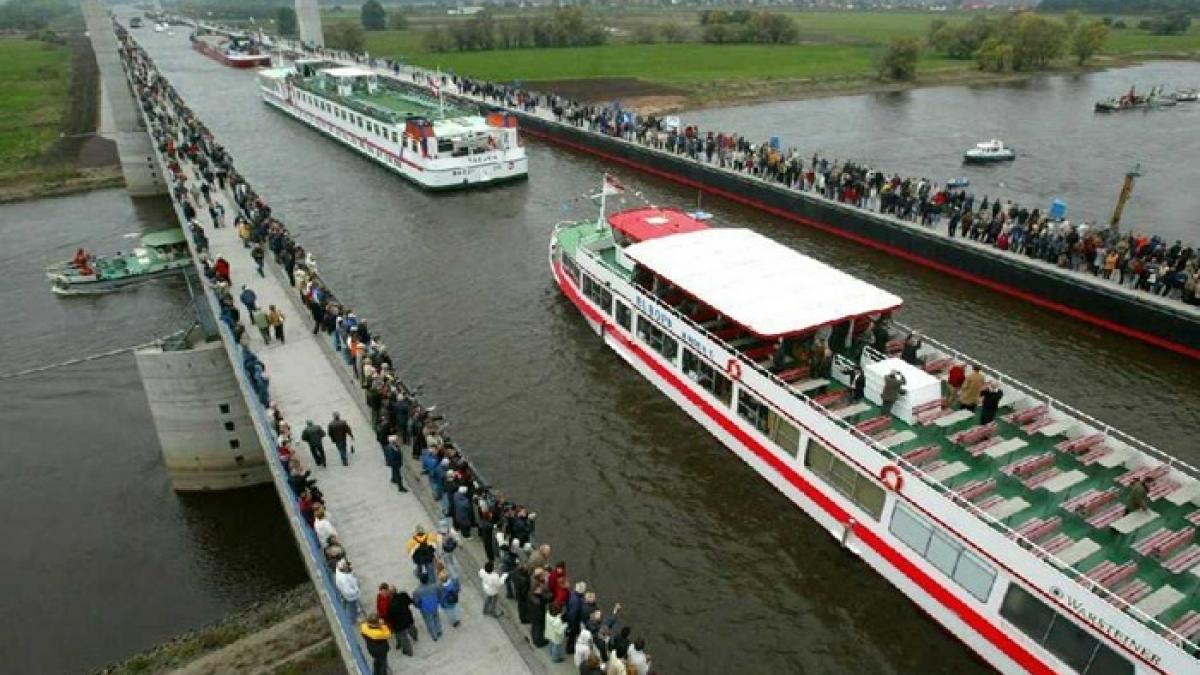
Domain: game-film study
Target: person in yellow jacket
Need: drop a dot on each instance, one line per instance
(422, 547)
(243, 230)
(377, 636)
(968, 394)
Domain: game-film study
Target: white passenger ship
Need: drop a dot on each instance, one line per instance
(396, 124)
(1013, 534)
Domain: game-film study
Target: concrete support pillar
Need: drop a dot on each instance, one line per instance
(143, 177)
(308, 18)
(207, 436)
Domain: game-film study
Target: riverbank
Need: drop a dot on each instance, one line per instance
(287, 634)
(51, 115)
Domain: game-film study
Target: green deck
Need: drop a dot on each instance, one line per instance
(391, 103)
(1113, 546)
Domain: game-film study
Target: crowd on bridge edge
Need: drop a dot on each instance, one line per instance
(562, 611)
(1135, 260)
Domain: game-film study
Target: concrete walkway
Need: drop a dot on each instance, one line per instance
(373, 520)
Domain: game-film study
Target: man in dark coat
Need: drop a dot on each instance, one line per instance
(314, 436)
(395, 460)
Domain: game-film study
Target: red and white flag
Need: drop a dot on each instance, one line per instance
(612, 186)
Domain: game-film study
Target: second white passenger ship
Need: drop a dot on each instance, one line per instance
(429, 142)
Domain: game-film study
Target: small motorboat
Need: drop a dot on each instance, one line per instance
(160, 253)
(958, 183)
(1187, 95)
(988, 152)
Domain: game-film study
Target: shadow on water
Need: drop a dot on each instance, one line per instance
(718, 570)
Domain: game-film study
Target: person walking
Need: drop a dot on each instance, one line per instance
(259, 255)
(556, 633)
(492, 585)
(339, 431)
(427, 601)
(449, 548)
(275, 319)
(377, 635)
(262, 323)
(243, 230)
(347, 586)
(249, 298)
(448, 596)
(401, 621)
(394, 459)
(314, 436)
(422, 549)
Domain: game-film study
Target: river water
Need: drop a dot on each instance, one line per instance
(102, 558)
(716, 568)
(1063, 149)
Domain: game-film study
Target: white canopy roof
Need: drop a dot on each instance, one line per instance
(762, 285)
(347, 71)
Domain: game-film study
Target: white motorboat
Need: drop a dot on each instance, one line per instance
(989, 151)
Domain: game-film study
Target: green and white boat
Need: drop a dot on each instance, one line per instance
(159, 253)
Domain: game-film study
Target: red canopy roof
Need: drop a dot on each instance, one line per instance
(645, 223)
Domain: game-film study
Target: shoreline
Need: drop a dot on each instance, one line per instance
(57, 183)
(727, 94)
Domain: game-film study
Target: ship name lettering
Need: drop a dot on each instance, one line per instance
(1079, 609)
(655, 313)
(695, 343)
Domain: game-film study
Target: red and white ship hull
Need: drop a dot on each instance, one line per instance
(977, 623)
(232, 60)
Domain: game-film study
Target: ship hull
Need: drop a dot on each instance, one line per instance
(429, 178)
(248, 61)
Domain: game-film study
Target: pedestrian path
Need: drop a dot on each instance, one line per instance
(373, 520)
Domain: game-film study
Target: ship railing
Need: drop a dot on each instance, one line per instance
(1056, 405)
(945, 490)
(1002, 527)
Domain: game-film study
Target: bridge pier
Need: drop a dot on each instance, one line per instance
(143, 176)
(308, 19)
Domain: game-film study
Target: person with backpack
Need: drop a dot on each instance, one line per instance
(421, 548)
(427, 599)
(449, 589)
(376, 634)
(400, 619)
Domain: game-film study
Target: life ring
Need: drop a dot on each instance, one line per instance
(891, 477)
(733, 369)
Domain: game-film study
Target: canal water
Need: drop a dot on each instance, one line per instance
(715, 568)
(1064, 149)
(101, 557)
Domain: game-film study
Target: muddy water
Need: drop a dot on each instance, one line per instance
(101, 557)
(716, 568)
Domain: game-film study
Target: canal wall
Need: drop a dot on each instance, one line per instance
(1167, 324)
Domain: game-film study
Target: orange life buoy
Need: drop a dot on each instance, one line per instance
(733, 369)
(891, 477)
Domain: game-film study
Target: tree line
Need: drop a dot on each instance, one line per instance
(1023, 41)
(565, 27)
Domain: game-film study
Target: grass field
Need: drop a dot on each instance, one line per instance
(34, 80)
(833, 45)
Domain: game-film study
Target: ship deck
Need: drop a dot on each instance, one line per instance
(390, 103)
(1054, 482)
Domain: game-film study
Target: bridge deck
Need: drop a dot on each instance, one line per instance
(373, 520)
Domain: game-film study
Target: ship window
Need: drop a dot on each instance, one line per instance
(394, 137)
(624, 317)
(752, 410)
(658, 340)
(701, 372)
(943, 552)
(597, 293)
(1062, 637)
(444, 145)
(783, 433)
(844, 478)
(571, 268)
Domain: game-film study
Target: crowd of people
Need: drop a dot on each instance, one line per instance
(1136, 260)
(561, 609)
